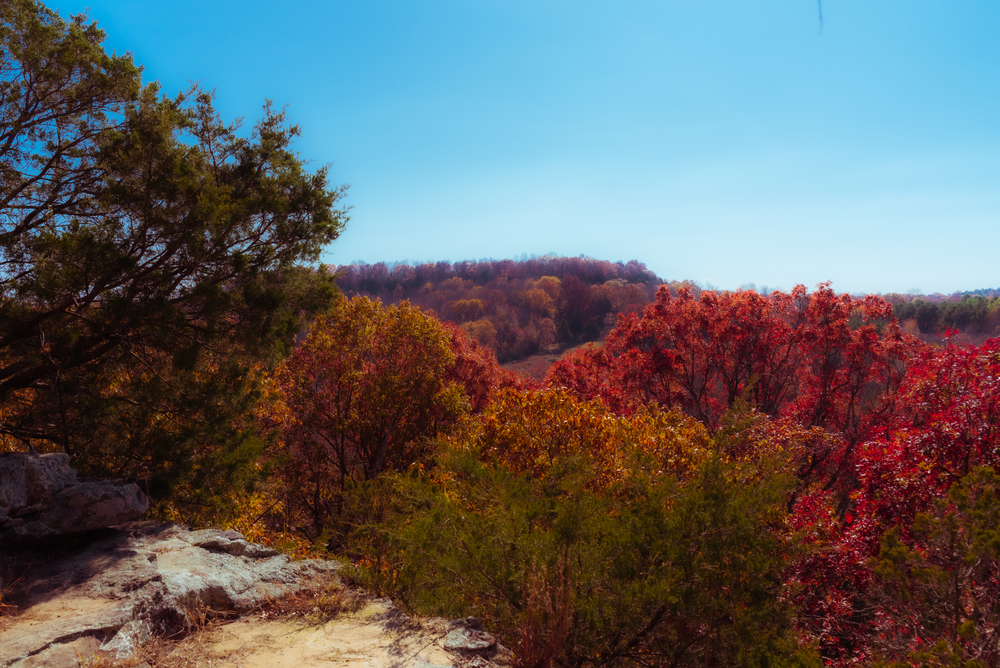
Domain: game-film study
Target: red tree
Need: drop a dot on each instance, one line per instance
(820, 359)
(944, 427)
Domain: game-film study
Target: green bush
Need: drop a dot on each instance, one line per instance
(649, 571)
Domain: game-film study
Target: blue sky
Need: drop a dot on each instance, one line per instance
(721, 141)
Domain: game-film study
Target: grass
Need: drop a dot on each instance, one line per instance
(317, 607)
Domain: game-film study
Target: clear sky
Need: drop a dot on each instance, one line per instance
(722, 141)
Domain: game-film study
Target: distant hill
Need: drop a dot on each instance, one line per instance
(518, 308)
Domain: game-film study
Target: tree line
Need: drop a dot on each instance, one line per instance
(517, 308)
(973, 314)
(730, 479)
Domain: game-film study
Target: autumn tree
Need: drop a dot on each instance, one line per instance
(946, 426)
(476, 370)
(920, 590)
(517, 308)
(942, 432)
(821, 359)
(366, 391)
(938, 581)
(151, 256)
(532, 431)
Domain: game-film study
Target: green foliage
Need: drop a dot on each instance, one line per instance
(971, 314)
(150, 262)
(651, 571)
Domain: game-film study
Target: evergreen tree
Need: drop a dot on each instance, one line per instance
(151, 257)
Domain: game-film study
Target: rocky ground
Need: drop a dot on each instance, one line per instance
(162, 595)
(116, 589)
(81, 584)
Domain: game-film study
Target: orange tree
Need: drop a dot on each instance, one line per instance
(531, 432)
(364, 393)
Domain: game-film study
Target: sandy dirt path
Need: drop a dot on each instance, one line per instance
(377, 636)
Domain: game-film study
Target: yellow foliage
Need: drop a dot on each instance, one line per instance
(550, 284)
(482, 331)
(254, 516)
(464, 310)
(529, 432)
(909, 326)
(538, 301)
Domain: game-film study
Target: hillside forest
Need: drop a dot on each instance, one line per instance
(518, 309)
(500, 302)
(703, 478)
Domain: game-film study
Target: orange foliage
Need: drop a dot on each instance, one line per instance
(368, 389)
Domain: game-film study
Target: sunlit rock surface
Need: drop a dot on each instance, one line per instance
(125, 584)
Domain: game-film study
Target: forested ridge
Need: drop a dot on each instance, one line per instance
(728, 479)
(517, 308)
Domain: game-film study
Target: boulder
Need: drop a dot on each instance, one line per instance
(27, 478)
(40, 497)
(142, 579)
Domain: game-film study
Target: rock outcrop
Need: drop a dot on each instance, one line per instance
(102, 586)
(138, 580)
(40, 497)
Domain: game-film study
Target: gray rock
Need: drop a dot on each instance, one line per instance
(141, 579)
(229, 542)
(41, 498)
(468, 641)
(27, 478)
(129, 638)
(62, 654)
(467, 637)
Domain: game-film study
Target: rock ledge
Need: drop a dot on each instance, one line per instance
(138, 580)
